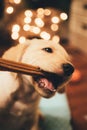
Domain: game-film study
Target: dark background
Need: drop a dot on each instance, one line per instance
(59, 4)
(34, 4)
(1, 8)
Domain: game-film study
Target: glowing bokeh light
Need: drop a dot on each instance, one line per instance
(15, 28)
(15, 35)
(45, 35)
(10, 10)
(55, 19)
(54, 27)
(28, 13)
(27, 20)
(26, 27)
(22, 39)
(36, 30)
(47, 12)
(56, 38)
(40, 11)
(39, 22)
(17, 1)
(63, 16)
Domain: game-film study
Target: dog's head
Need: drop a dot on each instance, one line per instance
(49, 57)
(53, 60)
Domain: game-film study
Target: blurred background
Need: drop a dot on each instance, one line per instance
(63, 21)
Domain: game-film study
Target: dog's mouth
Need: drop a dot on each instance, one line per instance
(50, 82)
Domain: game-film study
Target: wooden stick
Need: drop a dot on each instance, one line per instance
(8, 65)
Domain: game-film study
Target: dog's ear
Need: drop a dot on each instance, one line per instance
(15, 53)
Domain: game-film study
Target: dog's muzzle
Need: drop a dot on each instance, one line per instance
(51, 82)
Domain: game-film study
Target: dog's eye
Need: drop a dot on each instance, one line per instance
(49, 50)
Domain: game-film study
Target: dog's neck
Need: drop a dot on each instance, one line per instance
(25, 98)
(24, 102)
(26, 90)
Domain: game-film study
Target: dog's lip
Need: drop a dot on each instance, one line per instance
(50, 81)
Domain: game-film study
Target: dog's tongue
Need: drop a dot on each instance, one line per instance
(45, 83)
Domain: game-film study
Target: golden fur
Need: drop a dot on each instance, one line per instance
(20, 94)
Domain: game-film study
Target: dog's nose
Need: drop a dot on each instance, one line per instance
(68, 69)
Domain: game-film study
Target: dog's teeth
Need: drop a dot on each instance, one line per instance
(41, 84)
(54, 90)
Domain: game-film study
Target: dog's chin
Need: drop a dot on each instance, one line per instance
(49, 84)
(44, 92)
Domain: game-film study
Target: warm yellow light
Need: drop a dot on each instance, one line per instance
(56, 38)
(26, 27)
(55, 19)
(15, 28)
(47, 12)
(63, 16)
(22, 39)
(54, 27)
(17, 1)
(40, 11)
(40, 15)
(36, 30)
(39, 22)
(10, 10)
(15, 35)
(28, 13)
(45, 35)
(27, 20)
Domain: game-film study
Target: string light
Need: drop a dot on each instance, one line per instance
(63, 16)
(56, 38)
(36, 30)
(10, 10)
(40, 11)
(15, 35)
(45, 35)
(27, 20)
(47, 12)
(17, 1)
(54, 27)
(28, 13)
(55, 19)
(39, 22)
(26, 27)
(15, 28)
(22, 39)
